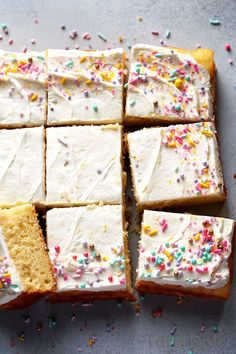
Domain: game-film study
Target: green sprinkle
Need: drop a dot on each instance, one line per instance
(172, 341)
(187, 78)
(177, 169)
(214, 21)
(3, 26)
(132, 103)
(95, 108)
(40, 57)
(209, 257)
(167, 244)
(193, 261)
(204, 259)
(126, 85)
(177, 107)
(82, 286)
(122, 267)
(69, 64)
(101, 36)
(215, 328)
(190, 352)
(129, 46)
(168, 34)
(183, 248)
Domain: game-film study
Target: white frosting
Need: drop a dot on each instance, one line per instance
(175, 162)
(22, 89)
(91, 251)
(10, 285)
(22, 166)
(186, 250)
(85, 86)
(168, 85)
(84, 164)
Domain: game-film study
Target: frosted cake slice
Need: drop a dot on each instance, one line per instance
(183, 254)
(25, 270)
(176, 165)
(89, 253)
(84, 165)
(22, 89)
(22, 170)
(170, 85)
(85, 87)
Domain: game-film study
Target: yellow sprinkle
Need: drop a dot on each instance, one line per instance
(33, 97)
(179, 83)
(205, 105)
(6, 275)
(90, 342)
(63, 80)
(149, 270)
(1, 285)
(167, 253)
(119, 66)
(197, 236)
(105, 258)
(172, 144)
(82, 59)
(152, 232)
(205, 184)
(120, 39)
(88, 82)
(207, 132)
(191, 143)
(146, 228)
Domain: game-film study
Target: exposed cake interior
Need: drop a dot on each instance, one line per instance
(25, 251)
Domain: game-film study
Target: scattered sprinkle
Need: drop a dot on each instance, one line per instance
(173, 330)
(155, 33)
(10, 41)
(203, 327)
(63, 27)
(172, 341)
(33, 40)
(214, 21)
(21, 337)
(86, 36)
(215, 328)
(168, 34)
(132, 103)
(228, 47)
(231, 61)
(101, 36)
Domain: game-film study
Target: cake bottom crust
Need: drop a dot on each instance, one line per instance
(76, 296)
(23, 300)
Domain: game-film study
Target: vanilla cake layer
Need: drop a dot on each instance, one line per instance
(22, 89)
(85, 86)
(183, 253)
(175, 165)
(84, 165)
(170, 85)
(88, 250)
(25, 270)
(22, 170)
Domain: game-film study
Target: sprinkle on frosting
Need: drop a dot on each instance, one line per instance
(191, 251)
(168, 85)
(85, 86)
(182, 158)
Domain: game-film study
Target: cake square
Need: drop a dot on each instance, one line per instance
(25, 270)
(183, 254)
(22, 89)
(170, 85)
(22, 170)
(85, 87)
(89, 253)
(176, 165)
(84, 165)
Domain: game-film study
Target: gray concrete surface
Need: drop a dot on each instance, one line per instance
(118, 329)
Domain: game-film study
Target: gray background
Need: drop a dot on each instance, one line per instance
(118, 329)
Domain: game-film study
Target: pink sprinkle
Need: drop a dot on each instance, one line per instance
(57, 249)
(86, 36)
(228, 47)
(231, 61)
(33, 40)
(163, 224)
(36, 21)
(10, 41)
(155, 33)
(113, 92)
(0, 37)
(77, 46)
(122, 281)
(65, 277)
(24, 49)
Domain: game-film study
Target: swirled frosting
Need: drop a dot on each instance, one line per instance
(22, 89)
(168, 85)
(22, 166)
(86, 248)
(186, 250)
(175, 162)
(85, 86)
(84, 164)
